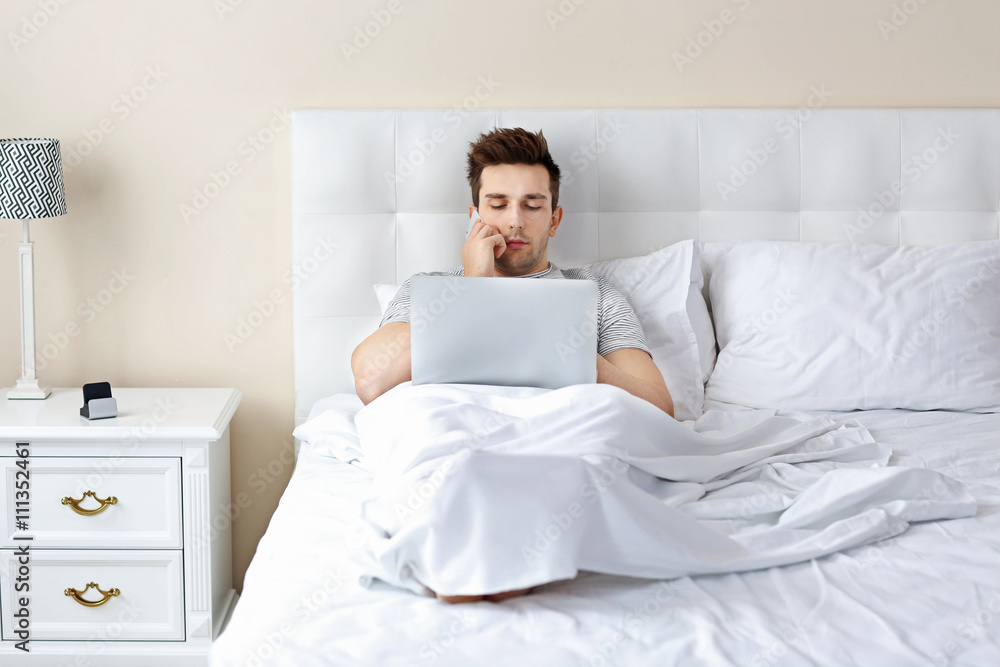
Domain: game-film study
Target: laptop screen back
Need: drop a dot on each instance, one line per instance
(505, 331)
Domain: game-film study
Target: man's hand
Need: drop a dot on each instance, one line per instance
(484, 245)
(634, 371)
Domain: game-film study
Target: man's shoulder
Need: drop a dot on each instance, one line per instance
(607, 289)
(460, 271)
(581, 273)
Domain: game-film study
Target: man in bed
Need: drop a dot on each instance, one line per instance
(514, 178)
(513, 174)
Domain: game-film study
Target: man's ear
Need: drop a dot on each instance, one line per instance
(556, 219)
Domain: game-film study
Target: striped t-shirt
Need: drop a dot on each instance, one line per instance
(617, 325)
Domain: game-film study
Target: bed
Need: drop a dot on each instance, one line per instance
(728, 216)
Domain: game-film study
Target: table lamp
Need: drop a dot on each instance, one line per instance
(31, 186)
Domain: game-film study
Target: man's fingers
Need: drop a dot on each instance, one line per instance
(499, 244)
(489, 230)
(499, 248)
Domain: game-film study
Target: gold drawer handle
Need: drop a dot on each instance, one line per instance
(74, 504)
(108, 594)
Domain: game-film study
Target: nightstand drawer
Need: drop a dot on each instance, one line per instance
(149, 604)
(95, 502)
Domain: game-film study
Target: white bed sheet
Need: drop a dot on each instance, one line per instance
(928, 596)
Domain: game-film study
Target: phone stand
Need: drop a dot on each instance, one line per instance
(97, 401)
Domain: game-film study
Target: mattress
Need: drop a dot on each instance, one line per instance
(928, 596)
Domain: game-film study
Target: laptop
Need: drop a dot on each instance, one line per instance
(521, 332)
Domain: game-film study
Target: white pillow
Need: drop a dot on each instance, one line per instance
(811, 326)
(665, 290)
(384, 293)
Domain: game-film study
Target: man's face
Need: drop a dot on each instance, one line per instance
(515, 199)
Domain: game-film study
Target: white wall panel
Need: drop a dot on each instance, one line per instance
(951, 159)
(323, 347)
(634, 234)
(431, 149)
(664, 143)
(849, 155)
(850, 227)
(340, 162)
(429, 242)
(749, 162)
(336, 259)
(941, 227)
(748, 225)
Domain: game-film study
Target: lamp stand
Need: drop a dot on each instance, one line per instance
(27, 386)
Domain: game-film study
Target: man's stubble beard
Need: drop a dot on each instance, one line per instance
(525, 263)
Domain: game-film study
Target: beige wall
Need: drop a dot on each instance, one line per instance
(166, 93)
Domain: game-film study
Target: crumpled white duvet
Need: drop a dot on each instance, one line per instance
(482, 489)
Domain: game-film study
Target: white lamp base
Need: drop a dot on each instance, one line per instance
(28, 389)
(27, 385)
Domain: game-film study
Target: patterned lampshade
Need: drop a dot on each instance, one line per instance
(31, 179)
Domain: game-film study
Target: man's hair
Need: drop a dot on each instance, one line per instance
(511, 146)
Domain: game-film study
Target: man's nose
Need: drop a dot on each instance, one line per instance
(515, 220)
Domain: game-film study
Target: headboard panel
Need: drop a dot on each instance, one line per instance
(378, 195)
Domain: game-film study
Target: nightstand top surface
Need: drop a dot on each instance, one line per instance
(144, 414)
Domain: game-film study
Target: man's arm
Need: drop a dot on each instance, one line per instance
(382, 361)
(634, 371)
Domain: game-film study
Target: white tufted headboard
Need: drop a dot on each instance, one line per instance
(378, 195)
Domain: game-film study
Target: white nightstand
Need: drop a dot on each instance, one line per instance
(135, 505)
